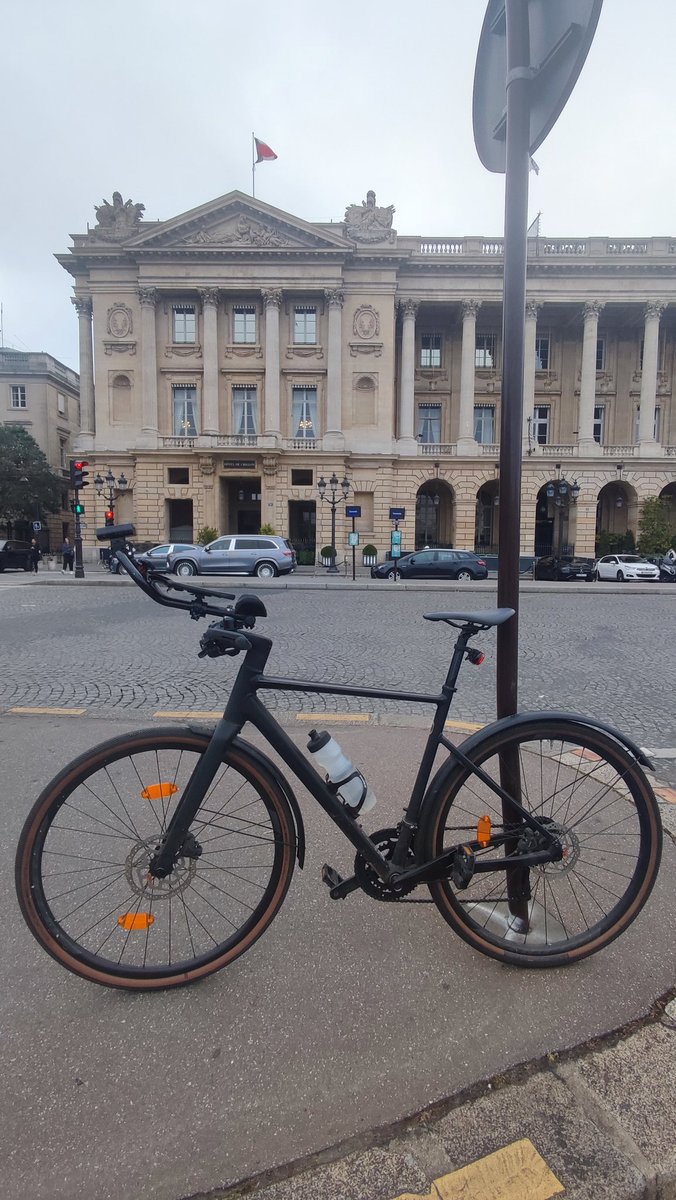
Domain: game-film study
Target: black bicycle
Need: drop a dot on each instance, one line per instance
(160, 856)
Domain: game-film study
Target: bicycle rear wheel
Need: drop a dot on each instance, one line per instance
(82, 862)
(600, 804)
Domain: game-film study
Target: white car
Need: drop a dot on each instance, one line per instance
(625, 566)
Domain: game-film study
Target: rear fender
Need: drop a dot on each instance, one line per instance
(452, 766)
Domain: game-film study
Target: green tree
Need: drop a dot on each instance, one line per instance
(654, 527)
(27, 483)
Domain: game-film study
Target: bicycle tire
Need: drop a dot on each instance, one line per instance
(607, 819)
(81, 863)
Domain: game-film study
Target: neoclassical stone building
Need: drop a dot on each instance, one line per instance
(233, 355)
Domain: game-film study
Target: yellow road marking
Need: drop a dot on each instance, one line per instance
(666, 793)
(186, 713)
(327, 716)
(54, 712)
(465, 726)
(517, 1172)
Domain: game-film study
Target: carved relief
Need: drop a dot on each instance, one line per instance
(532, 309)
(236, 350)
(192, 350)
(254, 233)
(209, 296)
(366, 323)
(470, 308)
(654, 309)
(368, 223)
(375, 348)
(270, 464)
(118, 220)
(272, 297)
(206, 464)
(119, 347)
(335, 297)
(593, 309)
(147, 296)
(120, 321)
(408, 308)
(304, 352)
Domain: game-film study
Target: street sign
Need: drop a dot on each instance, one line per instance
(395, 543)
(559, 36)
(37, 526)
(353, 539)
(397, 514)
(353, 510)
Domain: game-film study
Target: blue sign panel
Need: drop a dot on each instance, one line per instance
(397, 514)
(353, 510)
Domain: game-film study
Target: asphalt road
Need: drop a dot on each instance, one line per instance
(345, 1016)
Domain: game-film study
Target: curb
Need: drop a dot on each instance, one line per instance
(567, 1112)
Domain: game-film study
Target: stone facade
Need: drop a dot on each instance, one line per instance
(233, 355)
(42, 395)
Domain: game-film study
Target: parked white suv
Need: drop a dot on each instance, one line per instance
(236, 554)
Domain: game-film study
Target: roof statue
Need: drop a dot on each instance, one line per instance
(118, 220)
(366, 222)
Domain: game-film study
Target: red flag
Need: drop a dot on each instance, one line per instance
(263, 152)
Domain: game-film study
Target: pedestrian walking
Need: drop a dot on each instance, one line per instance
(68, 554)
(36, 555)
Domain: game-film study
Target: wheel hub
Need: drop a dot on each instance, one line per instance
(570, 845)
(140, 881)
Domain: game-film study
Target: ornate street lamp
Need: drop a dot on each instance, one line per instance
(333, 500)
(110, 488)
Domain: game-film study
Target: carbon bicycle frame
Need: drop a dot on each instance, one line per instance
(244, 707)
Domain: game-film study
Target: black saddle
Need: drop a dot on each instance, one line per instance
(477, 620)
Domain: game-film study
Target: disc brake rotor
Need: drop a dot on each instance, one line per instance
(136, 872)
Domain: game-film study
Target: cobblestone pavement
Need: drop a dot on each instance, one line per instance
(110, 649)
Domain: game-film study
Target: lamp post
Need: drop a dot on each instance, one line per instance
(562, 493)
(333, 500)
(110, 488)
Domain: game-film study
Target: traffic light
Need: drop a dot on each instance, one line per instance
(79, 508)
(110, 517)
(78, 475)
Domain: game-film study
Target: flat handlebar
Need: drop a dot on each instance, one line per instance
(197, 606)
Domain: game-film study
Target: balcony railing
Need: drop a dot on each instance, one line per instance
(309, 444)
(435, 449)
(618, 451)
(178, 443)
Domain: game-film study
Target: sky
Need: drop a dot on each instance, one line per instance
(158, 99)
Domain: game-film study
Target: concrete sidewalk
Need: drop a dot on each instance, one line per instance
(594, 1123)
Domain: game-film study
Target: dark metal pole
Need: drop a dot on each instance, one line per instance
(79, 568)
(513, 336)
(354, 552)
(333, 502)
(513, 333)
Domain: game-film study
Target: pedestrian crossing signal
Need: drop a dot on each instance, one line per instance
(110, 517)
(79, 508)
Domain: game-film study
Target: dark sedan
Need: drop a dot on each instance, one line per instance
(15, 556)
(434, 564)
(564, 567)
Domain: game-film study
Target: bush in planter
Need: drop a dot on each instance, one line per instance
(370, 554)
(328, 555)
(267, 530)
(205, 535)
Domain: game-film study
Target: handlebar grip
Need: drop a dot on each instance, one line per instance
(111, 532)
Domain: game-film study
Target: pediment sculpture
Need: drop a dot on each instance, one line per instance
(366, 222)
(119, 220)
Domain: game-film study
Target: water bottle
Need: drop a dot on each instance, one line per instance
(351, 787)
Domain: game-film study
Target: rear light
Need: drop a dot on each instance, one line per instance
(287, 553)
(481, 562)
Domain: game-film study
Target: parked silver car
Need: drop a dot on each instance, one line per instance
(236, 554)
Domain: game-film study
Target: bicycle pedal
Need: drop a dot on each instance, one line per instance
(340, 888)
(330, 876)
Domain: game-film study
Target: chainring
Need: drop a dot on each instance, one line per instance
(370, 882)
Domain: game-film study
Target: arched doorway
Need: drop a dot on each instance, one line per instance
(434, 515)
(668, 494)
(616, 516)
(556, 517)
(486, 523)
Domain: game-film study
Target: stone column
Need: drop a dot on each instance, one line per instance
(407, 440)
(149, 430)
(646, 417)
(334, 438)
(272, 299)
(532, 310)
(466, 442)
(85, 438)
(210, 378)
(585, 418)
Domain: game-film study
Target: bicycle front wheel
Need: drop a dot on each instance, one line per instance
(82, 862)
(597, 800)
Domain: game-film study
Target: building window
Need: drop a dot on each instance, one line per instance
(301, 478)
(657, 423)
(430, 350)
(484, 423)
(178, 475)
(18, 396)
(541, 424)
(63, 453)
(485, 350)
(244, 404)
(185, 410)
(599, 423)
(600, 354)
(184, 323)
(244, 326)
(304, 325)
(429, 423)
(61, 403)
(304, 412)
(542, 354)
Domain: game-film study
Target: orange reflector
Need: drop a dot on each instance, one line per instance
(158, 791)
(131, 921)
(483, 830)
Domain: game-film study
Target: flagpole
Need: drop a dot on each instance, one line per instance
(253, 165)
